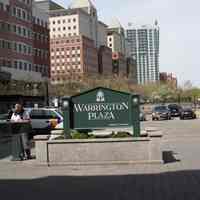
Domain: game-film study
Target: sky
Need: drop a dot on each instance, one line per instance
(179, 22)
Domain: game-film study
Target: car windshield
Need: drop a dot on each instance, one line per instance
(187, 109)
(173, 107)
(160, 108)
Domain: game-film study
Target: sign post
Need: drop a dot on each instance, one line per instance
(66, 114)
(136, 115)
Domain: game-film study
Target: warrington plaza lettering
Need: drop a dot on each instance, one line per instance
(101, 111)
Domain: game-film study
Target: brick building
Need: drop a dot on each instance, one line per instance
(72, 57)
(105, 61)
(24, 39)
(169, 79)
(78, 42)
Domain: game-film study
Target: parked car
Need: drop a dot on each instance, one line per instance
(175, 110)
(187, 113)
(161, 112)
(43, 120)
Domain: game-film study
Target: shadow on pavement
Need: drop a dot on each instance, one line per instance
(169, 157)
(166, 186)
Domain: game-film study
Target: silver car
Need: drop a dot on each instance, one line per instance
(43, 120)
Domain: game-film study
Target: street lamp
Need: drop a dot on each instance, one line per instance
(65, 104)
(136, 115)
(135, 101)
(66, 116)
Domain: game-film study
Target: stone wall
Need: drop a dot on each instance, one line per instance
(98, 151)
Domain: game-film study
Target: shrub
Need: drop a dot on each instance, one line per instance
(77, 135)
(83, 135)
(121, 135)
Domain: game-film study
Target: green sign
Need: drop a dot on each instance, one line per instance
(102, 108)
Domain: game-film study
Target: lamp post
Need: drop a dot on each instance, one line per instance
(136, 115)
(66, 115)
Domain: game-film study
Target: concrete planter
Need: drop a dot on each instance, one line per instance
(99, 151)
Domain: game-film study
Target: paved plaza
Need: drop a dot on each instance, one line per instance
(178, 178)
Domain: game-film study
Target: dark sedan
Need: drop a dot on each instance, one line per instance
(175, 110)
(161, 112)
(187, 113)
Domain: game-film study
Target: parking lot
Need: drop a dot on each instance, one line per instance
(182, 139)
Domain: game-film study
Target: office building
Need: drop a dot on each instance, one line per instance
(77, 36)
(145, 49)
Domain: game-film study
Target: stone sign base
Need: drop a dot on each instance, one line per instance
(99, 151)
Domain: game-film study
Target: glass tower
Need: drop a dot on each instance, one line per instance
(145, 49)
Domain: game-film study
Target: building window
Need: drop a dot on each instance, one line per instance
(30, 67)
(25, 66)
(74, 20)
(19, 13)
(58, 21)
(14, 28)
(29, 50)
(25, 49)
(15, 46)
(63, 21)
(69, 20)
(54, 22)
(24, 15)
(15, 64)
(69, 28)
(24, 32)
(74, 27)
(19, 30)
(64, 28)
(20, 48)
(20, 65)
